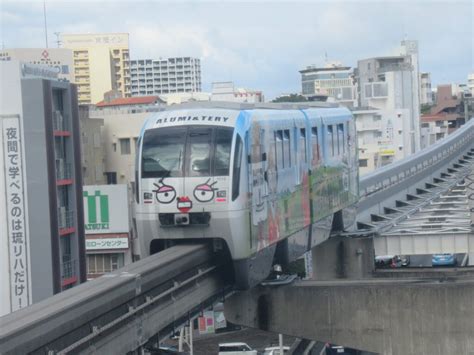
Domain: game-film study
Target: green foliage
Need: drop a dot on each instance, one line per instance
(291, 98)
(296, 267)
(425, 108)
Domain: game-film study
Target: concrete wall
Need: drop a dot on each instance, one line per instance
(383, 316)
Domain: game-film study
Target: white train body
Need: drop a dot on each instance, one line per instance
(263, 183)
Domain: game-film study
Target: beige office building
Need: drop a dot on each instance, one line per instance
(101, 64)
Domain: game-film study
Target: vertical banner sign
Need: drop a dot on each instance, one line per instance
(15, 204)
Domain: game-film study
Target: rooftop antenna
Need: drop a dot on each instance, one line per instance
(45, 24)
(58, 41)
(326, 57)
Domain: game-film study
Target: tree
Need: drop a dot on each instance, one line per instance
(291, 98)
(425, 108)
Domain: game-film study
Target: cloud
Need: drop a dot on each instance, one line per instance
(262, 45)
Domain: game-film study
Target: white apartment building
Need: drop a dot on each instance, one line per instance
(391, 83)
(334, 81)
(226, 91)
(432, 131)
(380, 136)
(59, 60)
(470, 83)
(426, 94)
(165, 76)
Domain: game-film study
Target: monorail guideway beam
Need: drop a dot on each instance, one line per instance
(383, 316)
(120, 311)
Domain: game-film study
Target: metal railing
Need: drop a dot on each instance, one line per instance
(421, 164)
(65, 218)
(69, 269)
(63, 171)
(60, 121)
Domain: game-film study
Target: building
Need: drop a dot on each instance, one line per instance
(101, 64)
(130, 103)
(426, 95)
(432, 130)
(41, 234)
(165, 76)
(470, 83)
(334, 81)
(92, 151)
(392, 83)
(107, 227)
(58, 59)
(448, 108)
(380, 136)
(225, 91)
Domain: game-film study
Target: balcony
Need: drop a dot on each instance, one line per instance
(69, 270)
(63, 171)
(65, 219)
(60, 124)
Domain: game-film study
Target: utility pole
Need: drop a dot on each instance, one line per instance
(45, 24)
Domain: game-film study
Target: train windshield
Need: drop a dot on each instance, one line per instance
(186, 151)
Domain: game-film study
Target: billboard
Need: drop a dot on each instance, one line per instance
(106, 209)
(15, 211)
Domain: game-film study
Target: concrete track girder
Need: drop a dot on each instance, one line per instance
(383, 316)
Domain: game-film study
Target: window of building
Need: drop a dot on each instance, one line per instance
(111, 178)
(363, 163)
(124, 146)
(102, 263)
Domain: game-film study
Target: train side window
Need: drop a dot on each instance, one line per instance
(236, 167)
(279, 149)
(315, 144)
(302, 144)
(330, 139)
(286, 148)
(340, 135)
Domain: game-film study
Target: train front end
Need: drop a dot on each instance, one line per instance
(189, 181)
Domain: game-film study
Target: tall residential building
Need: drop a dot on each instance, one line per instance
(41, 230)
(391, 83)
(426, 94)
(165, 76)
(101, 64)
(59, 59)
(334, 80)
(226, 91)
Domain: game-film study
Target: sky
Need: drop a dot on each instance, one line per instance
(260, 45)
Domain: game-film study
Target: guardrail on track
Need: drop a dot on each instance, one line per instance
(422, 164)
(119, 312)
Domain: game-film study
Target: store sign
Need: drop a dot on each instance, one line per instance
(206, 323)
(107, 243)
(106, 209)
(15, 208)
(387, 152)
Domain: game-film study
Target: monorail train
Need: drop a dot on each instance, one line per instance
(266, 184)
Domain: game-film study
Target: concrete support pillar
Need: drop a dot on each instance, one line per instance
(343, 258)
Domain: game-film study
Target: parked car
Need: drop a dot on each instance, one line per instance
(236, 349)
(275, 350)
(445, 259)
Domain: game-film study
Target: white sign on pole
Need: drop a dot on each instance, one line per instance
(15, 207)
